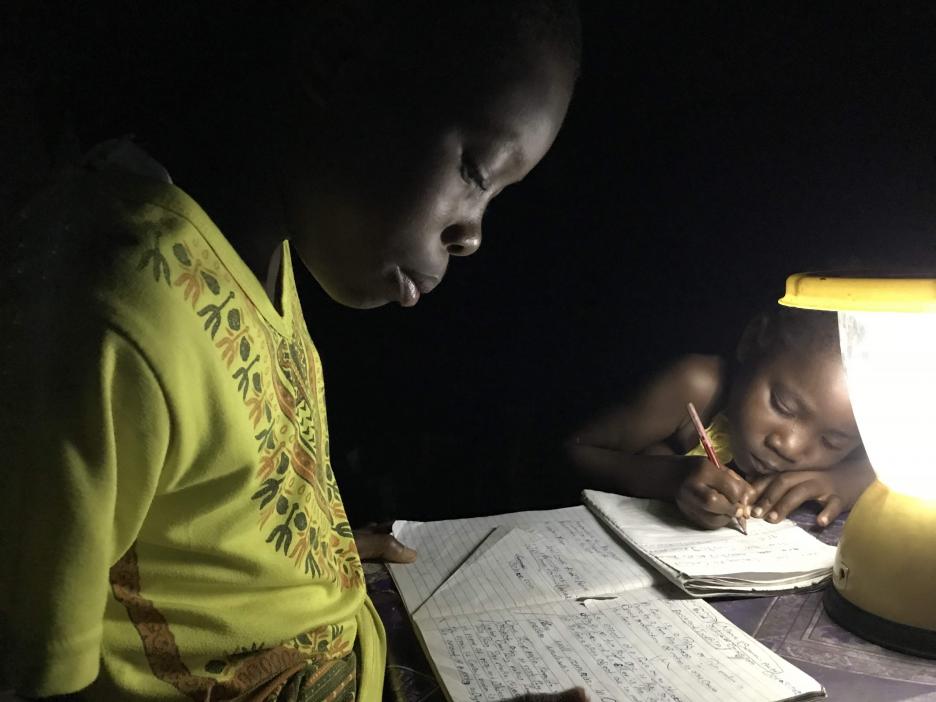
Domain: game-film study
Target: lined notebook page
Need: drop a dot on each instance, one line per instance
(648, 645)
(659, 529)
(443, 546)
(516, 568)
(545, 601)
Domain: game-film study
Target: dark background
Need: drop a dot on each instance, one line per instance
(712, 148)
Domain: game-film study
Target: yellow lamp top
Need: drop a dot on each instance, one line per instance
(858, 292)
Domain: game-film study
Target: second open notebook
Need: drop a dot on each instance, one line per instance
(545, 601)
(772, 558)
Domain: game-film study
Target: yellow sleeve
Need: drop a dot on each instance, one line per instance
(372, 642)
(85, 443)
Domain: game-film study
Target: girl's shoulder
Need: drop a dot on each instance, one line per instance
(703, 380)
(700, 378)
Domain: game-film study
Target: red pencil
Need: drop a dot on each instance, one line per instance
(710, 452)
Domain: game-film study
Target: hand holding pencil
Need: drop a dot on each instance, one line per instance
(712, 495)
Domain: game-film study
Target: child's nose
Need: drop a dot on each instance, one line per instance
(787, 444)
(462, 239)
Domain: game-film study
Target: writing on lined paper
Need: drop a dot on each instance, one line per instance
(640, 647)
(517, 567)
(546, 601)
(658, 529)
(443, 546)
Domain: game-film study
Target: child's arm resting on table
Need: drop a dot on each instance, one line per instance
(633, 448)
(836, 489)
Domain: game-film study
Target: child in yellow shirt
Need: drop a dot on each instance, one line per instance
(780, 416)
(172, 527)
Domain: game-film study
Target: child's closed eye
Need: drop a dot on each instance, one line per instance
(472, 175)
(779, 405)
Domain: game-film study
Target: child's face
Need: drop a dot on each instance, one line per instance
(399, 189)
(790, 411)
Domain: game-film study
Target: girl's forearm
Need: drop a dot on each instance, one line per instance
(639, 475)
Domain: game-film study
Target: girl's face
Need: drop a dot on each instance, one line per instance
(790, 410)
(398, 189)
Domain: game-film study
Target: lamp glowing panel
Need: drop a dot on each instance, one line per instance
(890, 363)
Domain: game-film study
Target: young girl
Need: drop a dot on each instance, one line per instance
(171, 524)
(780, 416)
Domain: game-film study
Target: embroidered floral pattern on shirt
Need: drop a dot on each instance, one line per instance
(300, 515)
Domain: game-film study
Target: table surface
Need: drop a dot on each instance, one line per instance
(795, 626)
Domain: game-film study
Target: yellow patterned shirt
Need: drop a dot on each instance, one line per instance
(719, 432)
(171, 524)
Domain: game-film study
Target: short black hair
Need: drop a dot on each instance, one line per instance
(486, 25)
(136, 67)
(410, 48)
(789, 328)
(497, 27)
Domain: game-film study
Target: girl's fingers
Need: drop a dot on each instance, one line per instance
(793, 498)
(712, 496)
(695, 500)
(833, 508)
(773, 489)
(713, 502)
(733, 487)
(708, 507)
(759, 486)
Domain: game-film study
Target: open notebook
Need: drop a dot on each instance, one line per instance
(772, 557)
(545, 601)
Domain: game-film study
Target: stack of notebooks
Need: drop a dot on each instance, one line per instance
(604, 597)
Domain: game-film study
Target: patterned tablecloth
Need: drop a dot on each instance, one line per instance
(795, 626)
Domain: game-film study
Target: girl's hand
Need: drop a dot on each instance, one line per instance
(711, 497)
(837, 489)
(376, 543)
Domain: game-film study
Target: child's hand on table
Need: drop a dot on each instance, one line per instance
(837, 489)
(711, 497)
(376, 543)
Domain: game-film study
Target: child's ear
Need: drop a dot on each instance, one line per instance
(755, 339)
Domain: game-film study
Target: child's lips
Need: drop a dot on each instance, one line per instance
(424, 283)
(413, 285)
(762, 467)
(409, 293)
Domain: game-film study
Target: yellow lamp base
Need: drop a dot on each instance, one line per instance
(884, 577)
